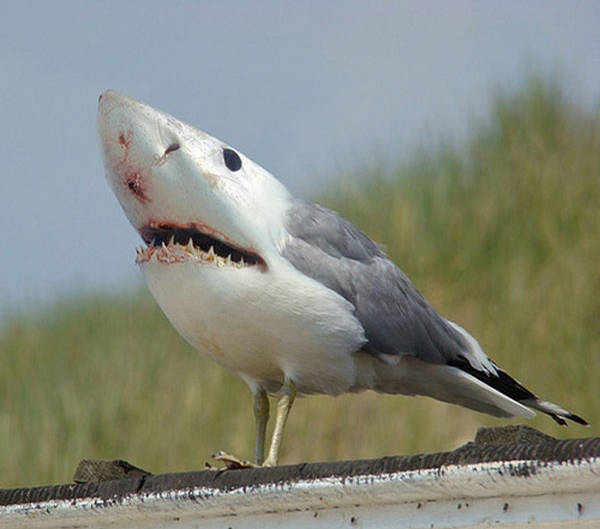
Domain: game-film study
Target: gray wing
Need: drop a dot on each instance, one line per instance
(395, 316)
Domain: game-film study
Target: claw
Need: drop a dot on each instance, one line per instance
(232, 462)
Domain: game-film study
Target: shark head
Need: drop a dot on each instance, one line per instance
(215, 226)
(190, 196)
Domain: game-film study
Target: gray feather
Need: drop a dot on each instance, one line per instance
(396, 318)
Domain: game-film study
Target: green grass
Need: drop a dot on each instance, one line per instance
(501, 235)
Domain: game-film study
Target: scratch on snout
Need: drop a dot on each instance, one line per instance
(136, 185)
(160, 160)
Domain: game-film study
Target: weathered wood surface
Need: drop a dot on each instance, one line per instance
(521, 454)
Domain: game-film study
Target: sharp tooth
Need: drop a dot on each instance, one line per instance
(190, 245)
(211, 253)
(153, 241)
(164, 247)
(242, 263)
(228, 259)
(172, 240)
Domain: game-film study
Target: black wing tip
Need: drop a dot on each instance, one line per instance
(571, 417)
(509, 387)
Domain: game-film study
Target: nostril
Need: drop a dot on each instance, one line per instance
(172, 148)
(163, 159)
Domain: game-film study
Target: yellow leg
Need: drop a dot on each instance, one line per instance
(285, 399)
(261, 415)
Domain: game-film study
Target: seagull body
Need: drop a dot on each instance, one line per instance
(283, 292)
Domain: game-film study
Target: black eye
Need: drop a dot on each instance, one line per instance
(232, 160)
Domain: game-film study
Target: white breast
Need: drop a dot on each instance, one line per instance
(263, 325)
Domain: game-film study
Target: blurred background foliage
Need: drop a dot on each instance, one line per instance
(501, 235)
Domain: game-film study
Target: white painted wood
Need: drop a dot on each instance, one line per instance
(502, 494)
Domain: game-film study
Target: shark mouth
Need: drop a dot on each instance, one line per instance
(169, 244)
